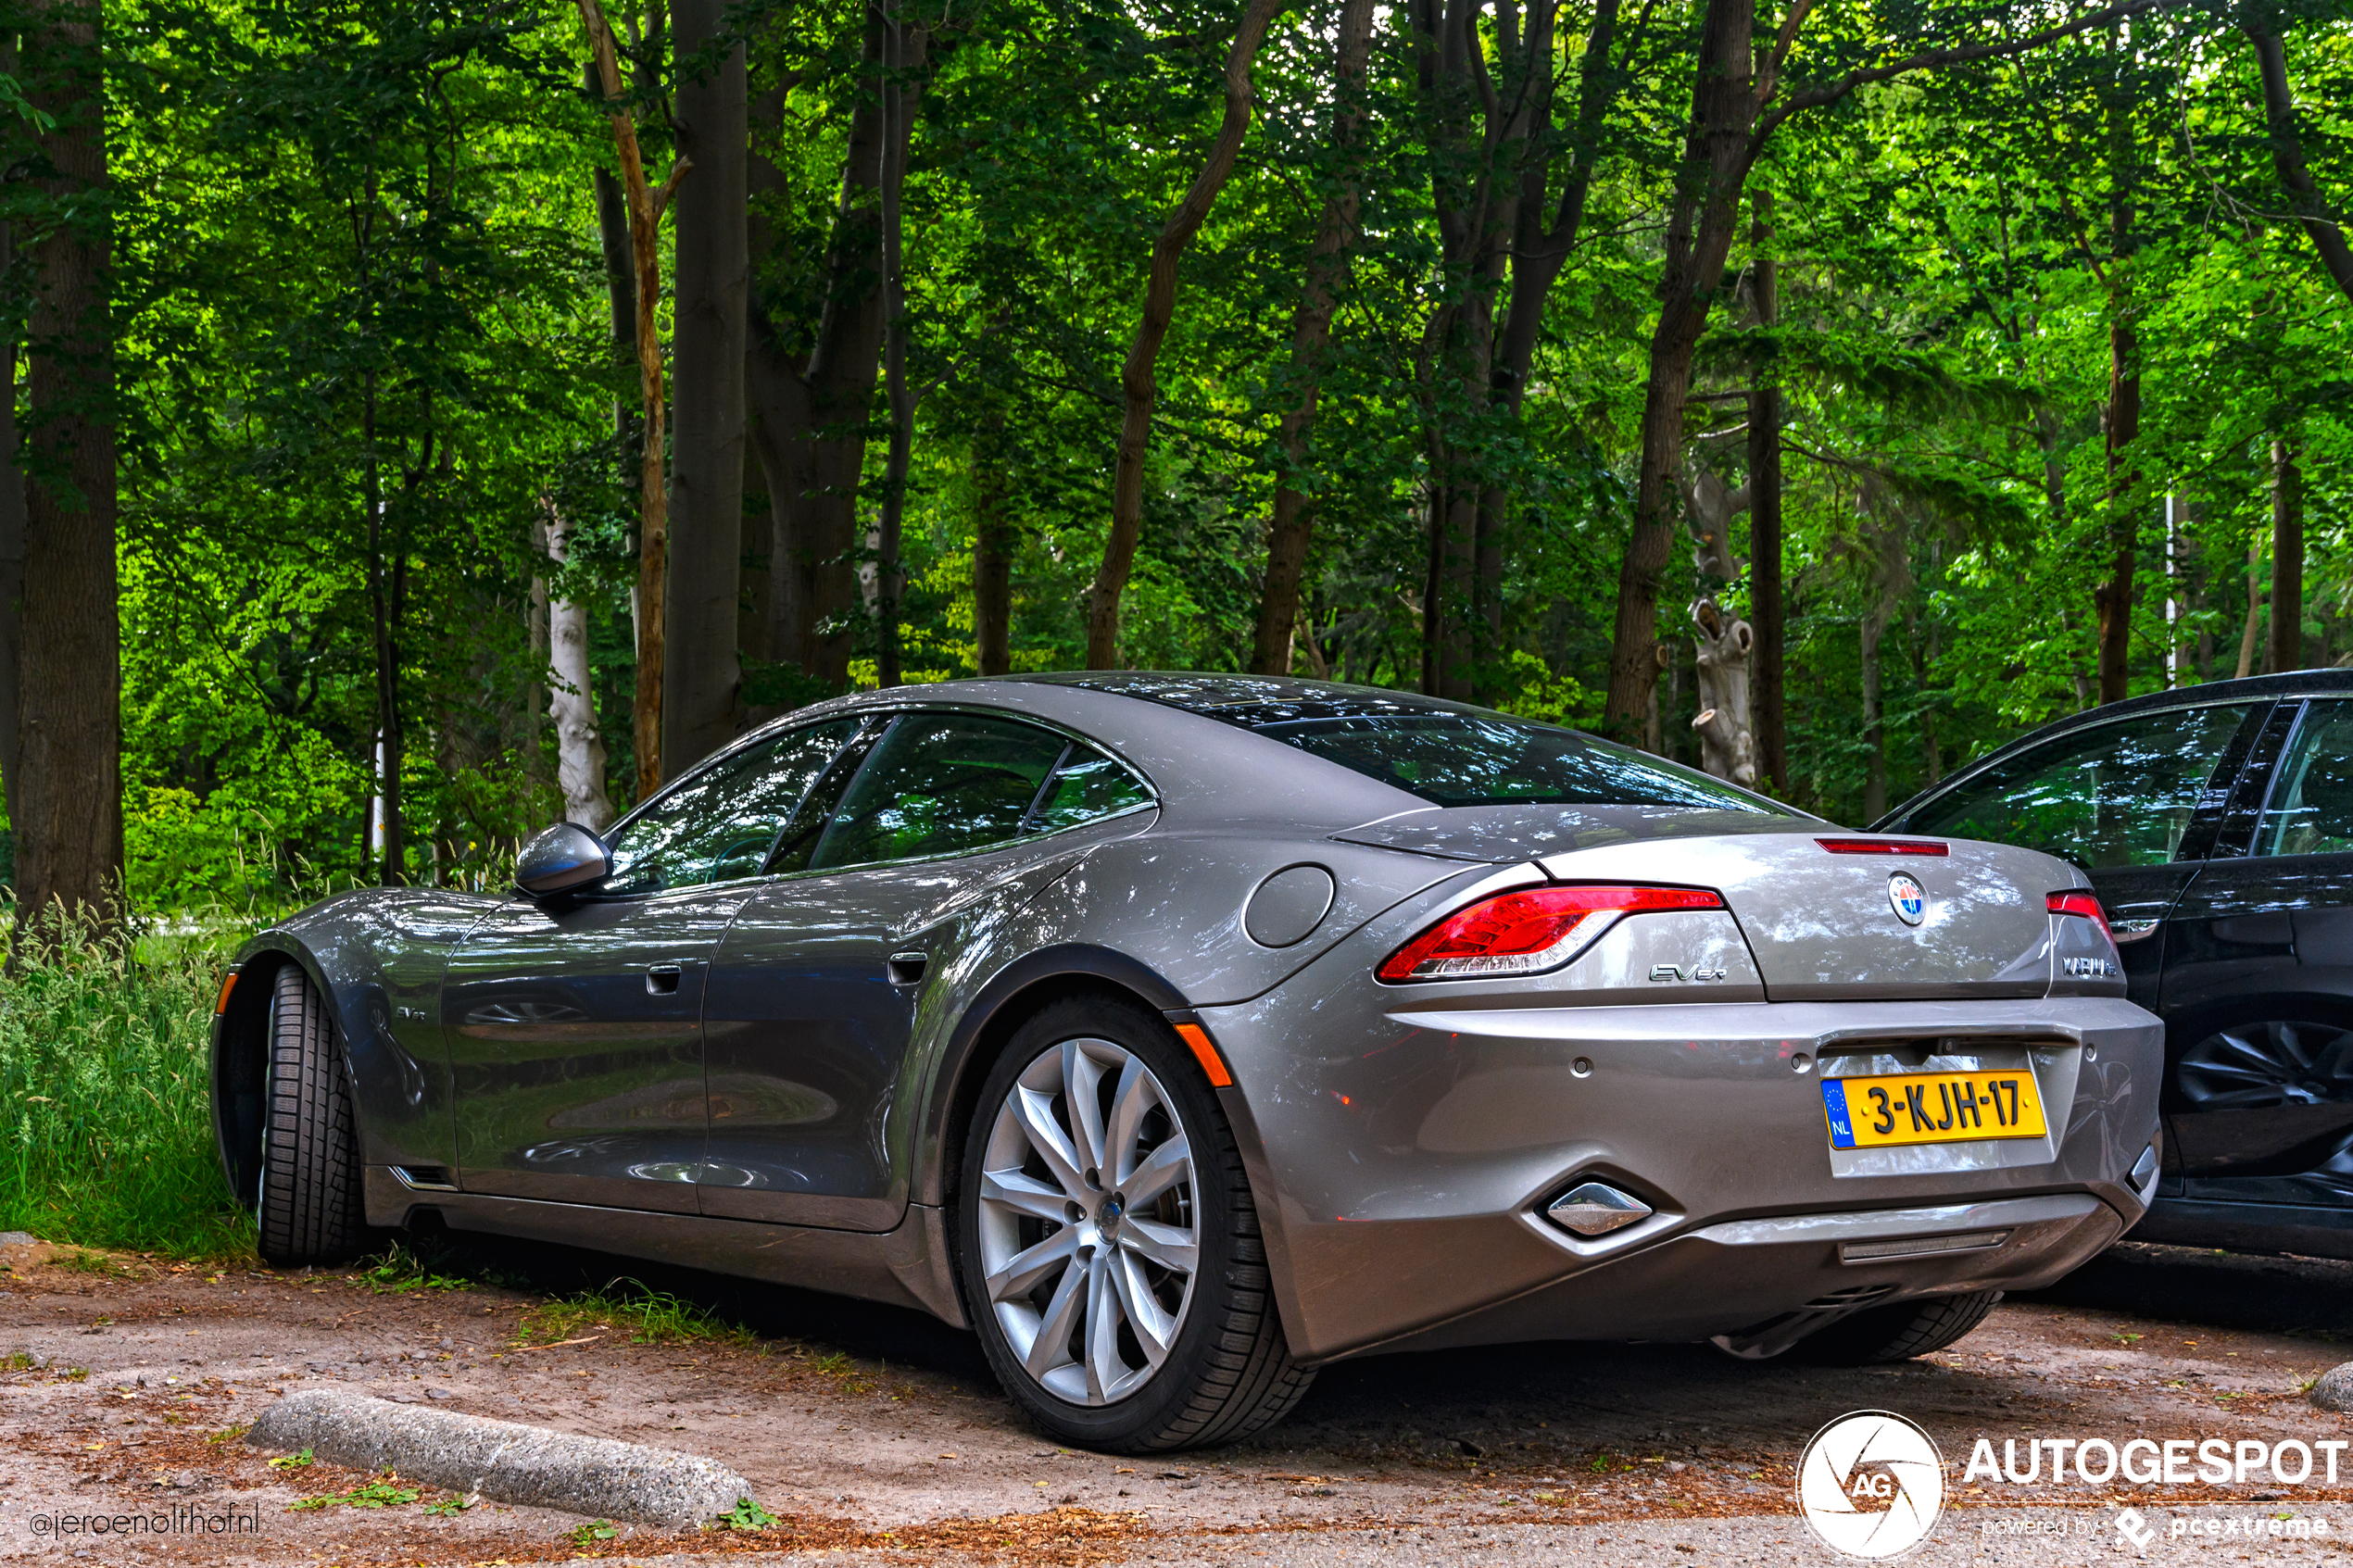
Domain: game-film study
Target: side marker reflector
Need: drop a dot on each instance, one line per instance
(1197, 1040)
(227, 985)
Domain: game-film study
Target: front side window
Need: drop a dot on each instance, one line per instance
(2310, 811)
(2119, 793)
(1491, 760)
(721, 823)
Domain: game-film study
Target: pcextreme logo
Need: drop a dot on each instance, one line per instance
(1870, 1484)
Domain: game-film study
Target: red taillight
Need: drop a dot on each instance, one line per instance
(1527, 932)
(1884, 847)
(2079, 901)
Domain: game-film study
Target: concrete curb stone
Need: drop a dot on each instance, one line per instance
(598, 1477)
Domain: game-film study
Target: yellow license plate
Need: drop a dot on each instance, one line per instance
(1903, 1107)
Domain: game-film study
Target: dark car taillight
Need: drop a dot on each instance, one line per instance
(1529, 931)
(2079, 901)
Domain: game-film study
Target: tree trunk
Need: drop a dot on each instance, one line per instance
(890, 576)
(702, 679)
(388, 605)
(812, 416)
(1874, 631)
(1160, 309)
(1764, 595)
(66, 808)
(11, 545)
(646, 206)
(1700, 223)
(2287, 558)
(579, 750)
(1727, 743)
(2254, 609)
(1295, 521)
(2113, 599)
(2287, 157)
(995, 537)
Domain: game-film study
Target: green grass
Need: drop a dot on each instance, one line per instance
(648, 1317)
(105, 1129)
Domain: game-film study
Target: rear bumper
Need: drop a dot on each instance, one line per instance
(1403, 1145)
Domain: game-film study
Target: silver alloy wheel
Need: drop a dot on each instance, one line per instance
(1089, 1226)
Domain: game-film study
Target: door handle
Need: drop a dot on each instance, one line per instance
(907, 969)
(661, 979)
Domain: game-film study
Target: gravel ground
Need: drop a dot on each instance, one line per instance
(874, 1435)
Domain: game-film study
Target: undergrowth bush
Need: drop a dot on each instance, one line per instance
(106, 1130)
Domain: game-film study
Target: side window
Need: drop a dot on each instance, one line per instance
(940, 784)
(719, 824)
(1087, 785)
(2310, 811)
(2119, 793)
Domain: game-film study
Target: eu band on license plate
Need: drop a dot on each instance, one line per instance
(1909, 1107)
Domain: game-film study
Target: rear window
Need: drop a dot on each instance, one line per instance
(1489, 760)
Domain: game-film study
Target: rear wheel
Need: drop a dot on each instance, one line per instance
(1895, 1332)
(310, 1209)
(1111, 1254)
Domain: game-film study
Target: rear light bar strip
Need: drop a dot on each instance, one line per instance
(1885, 845)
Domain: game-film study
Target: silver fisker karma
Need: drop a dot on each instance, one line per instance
(1179, 1033)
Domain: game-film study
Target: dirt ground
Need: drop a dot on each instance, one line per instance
(877, 1434)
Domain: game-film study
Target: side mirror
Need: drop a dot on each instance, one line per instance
(563, 858)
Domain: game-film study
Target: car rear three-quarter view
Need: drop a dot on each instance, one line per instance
(1179, 1033)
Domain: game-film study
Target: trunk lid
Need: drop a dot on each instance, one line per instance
(1825, 926)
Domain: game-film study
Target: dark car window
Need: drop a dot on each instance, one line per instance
(940, 784)
(2119, 794)
(1477, 759)
(1087, 785)
(719, 824)
(2310, 811)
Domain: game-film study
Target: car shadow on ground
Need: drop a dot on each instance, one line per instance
(2277, 1294)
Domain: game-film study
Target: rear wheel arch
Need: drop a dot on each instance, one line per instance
(1028, 984)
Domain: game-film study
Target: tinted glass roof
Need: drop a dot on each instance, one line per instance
(1447, 753)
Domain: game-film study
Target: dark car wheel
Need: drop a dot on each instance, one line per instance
(310, 1207)
(1108, 1251)
(1895, 1332)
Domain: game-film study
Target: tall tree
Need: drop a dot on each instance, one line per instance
(2287, 557)
(700, 679)
(11, 541)
(1138, 390)
(1736, 108)
(2121, 421)
(646, 205)
(1765, 595)
(812, 391)
(67, 804)
(1294, 522)
(2287, 151)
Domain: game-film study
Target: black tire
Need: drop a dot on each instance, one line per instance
(1228, 1371)
(311, 1209)
(1894, 1333)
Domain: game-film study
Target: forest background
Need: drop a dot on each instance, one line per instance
(1989, 360)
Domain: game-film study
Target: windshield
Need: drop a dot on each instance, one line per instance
(1489, 760)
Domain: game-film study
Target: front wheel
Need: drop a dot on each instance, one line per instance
(311, 1209)
(1111, 1254)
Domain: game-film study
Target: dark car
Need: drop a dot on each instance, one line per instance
(2216, 822)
